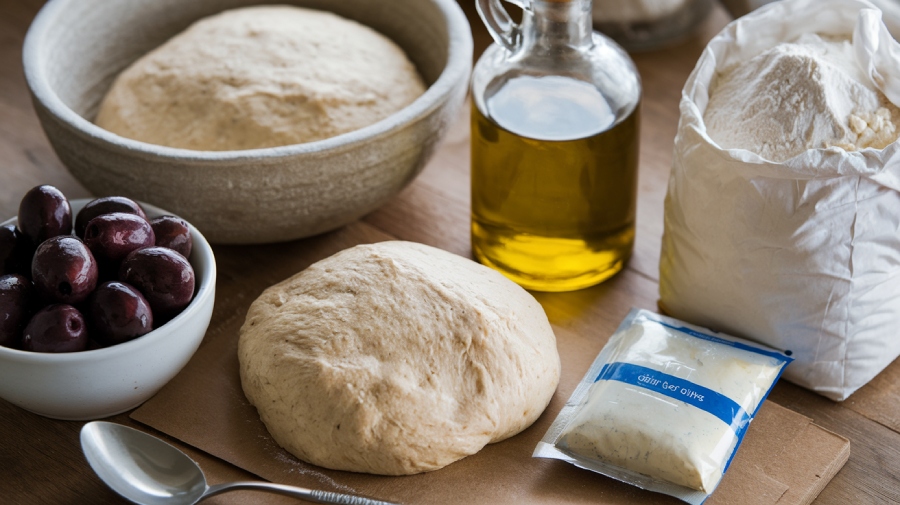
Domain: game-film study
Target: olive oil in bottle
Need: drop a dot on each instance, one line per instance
(555, 152)
(553, 192)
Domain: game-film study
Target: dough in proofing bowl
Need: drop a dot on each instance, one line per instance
(260, 77)
(396, 358)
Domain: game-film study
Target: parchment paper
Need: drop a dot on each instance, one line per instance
(785, 459)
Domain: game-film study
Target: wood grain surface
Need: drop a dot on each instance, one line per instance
(40, 459)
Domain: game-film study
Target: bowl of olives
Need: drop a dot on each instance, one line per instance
(102, 302)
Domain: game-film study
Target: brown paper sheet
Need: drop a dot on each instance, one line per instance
(785, 459)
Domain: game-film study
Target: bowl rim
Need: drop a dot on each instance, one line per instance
(459, 57)
(205, 295)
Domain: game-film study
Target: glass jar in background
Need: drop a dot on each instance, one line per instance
(649, 24)
(555, 130)
(738, 8)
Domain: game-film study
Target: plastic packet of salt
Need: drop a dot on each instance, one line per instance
(664, 406)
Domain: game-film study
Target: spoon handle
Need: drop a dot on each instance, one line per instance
(312, 495)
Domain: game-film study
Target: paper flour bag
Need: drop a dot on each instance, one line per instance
(785, 229)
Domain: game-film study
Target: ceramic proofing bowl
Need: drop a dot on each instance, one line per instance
(103, 382)
(76, 48)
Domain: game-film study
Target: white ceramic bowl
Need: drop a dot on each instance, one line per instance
(76, 48)
(103, 382)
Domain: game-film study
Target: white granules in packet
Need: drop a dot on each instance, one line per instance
(664, 406)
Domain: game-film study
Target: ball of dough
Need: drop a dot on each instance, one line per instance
(260, 77)
(396, 358)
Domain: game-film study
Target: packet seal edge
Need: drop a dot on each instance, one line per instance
(685, 494)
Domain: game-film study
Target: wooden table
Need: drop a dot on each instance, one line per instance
(41, 462)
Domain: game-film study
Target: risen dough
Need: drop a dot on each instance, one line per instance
(260, 77)
(396, 358)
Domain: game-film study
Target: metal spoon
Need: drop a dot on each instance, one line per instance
(148, 471)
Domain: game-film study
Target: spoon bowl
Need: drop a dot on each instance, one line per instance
(139, 467)
(149, 471)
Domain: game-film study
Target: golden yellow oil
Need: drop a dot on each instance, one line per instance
(553, 210)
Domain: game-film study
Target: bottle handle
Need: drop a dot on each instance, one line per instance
(502, 28)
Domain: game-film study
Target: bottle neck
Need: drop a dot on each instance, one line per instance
(557, 25)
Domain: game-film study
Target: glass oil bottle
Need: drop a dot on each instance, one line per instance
(555, 110)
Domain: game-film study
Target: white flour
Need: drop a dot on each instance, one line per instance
(797, 96)
(628, 11)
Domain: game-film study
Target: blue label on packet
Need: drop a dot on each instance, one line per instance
(703, 398)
